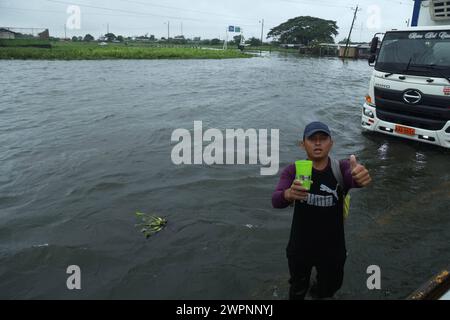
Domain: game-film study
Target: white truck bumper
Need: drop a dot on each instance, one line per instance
(440, 138)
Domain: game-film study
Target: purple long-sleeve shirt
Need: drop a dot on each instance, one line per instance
(288, 175)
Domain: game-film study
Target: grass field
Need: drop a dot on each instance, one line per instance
(24, 43)
(92, 51)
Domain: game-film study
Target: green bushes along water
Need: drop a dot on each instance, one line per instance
(93, 51)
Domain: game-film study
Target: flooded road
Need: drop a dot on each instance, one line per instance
(86, 144)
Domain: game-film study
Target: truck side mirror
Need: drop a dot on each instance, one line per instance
(372, 59)
(374, 45)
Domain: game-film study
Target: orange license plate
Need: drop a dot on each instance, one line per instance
(405, 130)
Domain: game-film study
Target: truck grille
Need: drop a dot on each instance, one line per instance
(432, 113)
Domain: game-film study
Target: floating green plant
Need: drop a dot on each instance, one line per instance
(150, 224)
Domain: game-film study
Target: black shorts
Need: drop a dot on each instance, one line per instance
(330, 275)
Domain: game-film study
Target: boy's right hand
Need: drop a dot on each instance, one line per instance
(296, 192)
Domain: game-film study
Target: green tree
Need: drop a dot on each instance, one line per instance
(215, 41)
(237, 39)
(74, 39)
(304, 29)
(179, 40)
(88, 37)
(254, 42)
(110, 36)
(120, 38)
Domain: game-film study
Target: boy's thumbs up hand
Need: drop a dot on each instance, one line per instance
(359, 173)
(353, 162)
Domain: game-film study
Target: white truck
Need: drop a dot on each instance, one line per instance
(409, 91)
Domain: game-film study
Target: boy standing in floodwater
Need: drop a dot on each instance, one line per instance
(317, 234)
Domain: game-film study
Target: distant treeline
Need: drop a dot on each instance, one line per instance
(111, 37)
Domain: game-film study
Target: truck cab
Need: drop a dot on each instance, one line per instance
(409, 90)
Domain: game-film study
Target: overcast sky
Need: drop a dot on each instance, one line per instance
(200, 18)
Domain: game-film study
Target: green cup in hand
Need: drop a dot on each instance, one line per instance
(303, 172)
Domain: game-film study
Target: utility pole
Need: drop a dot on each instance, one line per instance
(107, 28)
(225, 43)
(168, 31)
(181, 28)
(350, 33)
(65, 32)
(262, 31)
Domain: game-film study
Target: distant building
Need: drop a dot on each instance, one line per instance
(356, 51)
(44, 34)
(25, 33)
(291, 46)
(364, 51)
(329, 49)
(7, 34)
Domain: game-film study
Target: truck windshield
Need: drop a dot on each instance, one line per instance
(415, 48)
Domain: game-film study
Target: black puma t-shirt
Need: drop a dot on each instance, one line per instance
(317, 231)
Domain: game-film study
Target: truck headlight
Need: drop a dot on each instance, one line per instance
(368, 113)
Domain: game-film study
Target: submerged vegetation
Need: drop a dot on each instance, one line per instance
(93, 51)
(150, 225)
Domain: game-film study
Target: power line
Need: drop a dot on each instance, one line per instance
(335, 4)
(317, 3)
(184, 9)
(147, 13)
(144, 14)
(405, 3)
(108, 15)
(121, 10)
(64, 13)
(409, 4)
(139, 15)
(34, 10)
